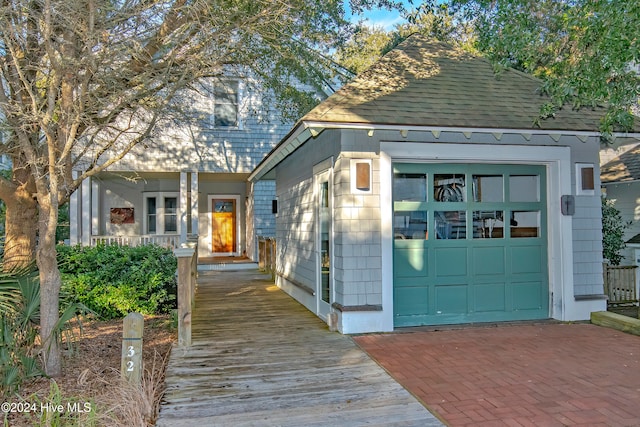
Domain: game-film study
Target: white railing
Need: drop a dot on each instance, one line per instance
(171, 241)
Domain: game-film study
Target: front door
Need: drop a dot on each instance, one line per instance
(223, 230)
(324, 243)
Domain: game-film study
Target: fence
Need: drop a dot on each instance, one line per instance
(620, 284)
(165, 240)
(267, 255)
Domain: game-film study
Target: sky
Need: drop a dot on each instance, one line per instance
(382, 17)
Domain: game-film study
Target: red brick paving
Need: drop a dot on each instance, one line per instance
(518, 375)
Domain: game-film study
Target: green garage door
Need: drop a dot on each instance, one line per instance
(470, 243)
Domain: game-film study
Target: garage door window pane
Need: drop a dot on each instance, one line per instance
(524, 188)
(488, 224)
(451, 224)
(525, 224)
(449, 188)
(488, 188)
(410, 187)
(410, 225)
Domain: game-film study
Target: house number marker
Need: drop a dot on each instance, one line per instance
(131, 366)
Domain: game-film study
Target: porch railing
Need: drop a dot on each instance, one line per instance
(267, 255)
(171, 241)
(620, 284)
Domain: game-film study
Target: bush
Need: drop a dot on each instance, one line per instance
(613, 228)
(115, 280)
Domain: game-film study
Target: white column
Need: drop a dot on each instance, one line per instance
(183, 206)
(95, 207)
(85, 232)
(194, 203)
(74, 207)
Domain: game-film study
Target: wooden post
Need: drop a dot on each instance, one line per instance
(185, 294)
(262, 247)
(272, 260)
(131, 366)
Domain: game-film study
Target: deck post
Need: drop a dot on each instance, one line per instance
(186, 289)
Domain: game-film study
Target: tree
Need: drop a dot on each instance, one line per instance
(431, 18)
(364, 48)
(583, 50)
(83, 82)
(613, 228)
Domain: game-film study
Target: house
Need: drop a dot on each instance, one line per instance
(191, 181)
(424, 193)
(620, 180)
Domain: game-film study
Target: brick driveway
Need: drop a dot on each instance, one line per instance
(517, 375)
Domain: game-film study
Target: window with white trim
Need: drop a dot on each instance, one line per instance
(225, 104)
(161, 213)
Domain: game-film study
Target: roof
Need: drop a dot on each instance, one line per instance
(623, 168)
(428, 83)
(634, 240)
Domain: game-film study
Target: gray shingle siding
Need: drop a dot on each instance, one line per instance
(587, 247)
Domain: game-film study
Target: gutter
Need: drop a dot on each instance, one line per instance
(305, 130)
(298, 136)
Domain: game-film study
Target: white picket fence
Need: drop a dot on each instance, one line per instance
(171, 241)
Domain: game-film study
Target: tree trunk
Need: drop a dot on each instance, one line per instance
(20, 231)
(50, 283)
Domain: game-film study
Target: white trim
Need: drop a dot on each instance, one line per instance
(299, 136)
(182, 206)
(95, 207)
(319, 171)
(207, 239)
(304, 130)
(319, 126)
(386, 236)
(74, 208)
(352, 176)
(85, 229)
(160, 196)
(579, 190)
(194, 202)
(560, 239)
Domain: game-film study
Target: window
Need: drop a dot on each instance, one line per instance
(585, 179)
(225, 104)
(161, 213)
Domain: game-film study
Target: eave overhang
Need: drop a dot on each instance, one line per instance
(306, 130)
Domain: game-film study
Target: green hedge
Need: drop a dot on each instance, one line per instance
(115, 280)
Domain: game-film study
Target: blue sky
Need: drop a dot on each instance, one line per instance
(382, 17)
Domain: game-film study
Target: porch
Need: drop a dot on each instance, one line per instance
(260, 358)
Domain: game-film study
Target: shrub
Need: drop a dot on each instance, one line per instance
(115, 280)
(613, 228)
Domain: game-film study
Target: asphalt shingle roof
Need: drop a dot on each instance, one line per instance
(625, 167)
(428, 83)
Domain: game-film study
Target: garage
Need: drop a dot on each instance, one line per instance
(428, 191)
(470, 243)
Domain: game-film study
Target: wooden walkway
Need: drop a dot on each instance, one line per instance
(261, 359)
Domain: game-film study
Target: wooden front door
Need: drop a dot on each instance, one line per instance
(223, 225)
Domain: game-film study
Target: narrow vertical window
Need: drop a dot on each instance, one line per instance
(151, 215)
(170, 214)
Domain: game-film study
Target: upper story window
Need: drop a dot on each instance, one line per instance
(225, 104)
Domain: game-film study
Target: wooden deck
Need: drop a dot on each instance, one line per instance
(261, 359)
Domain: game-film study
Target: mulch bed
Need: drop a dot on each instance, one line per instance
(91, 364)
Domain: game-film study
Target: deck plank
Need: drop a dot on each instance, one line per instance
(261, 359)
